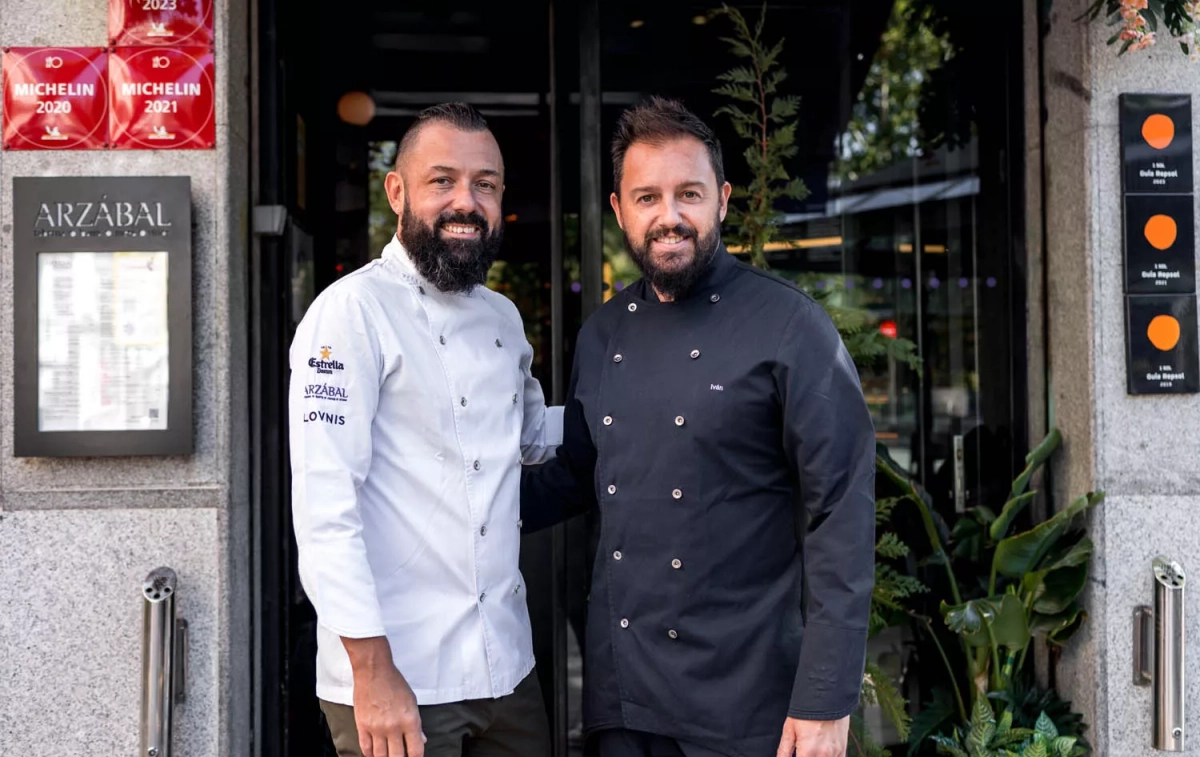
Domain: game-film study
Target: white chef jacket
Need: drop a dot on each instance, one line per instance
(412, 411)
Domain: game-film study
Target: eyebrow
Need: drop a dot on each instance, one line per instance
(684, 185)
(448, 169)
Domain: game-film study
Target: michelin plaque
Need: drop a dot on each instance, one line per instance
(102, 304)
(160, 22)
(55, 98)
(162, 98)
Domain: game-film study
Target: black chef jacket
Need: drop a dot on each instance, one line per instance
(727, 442)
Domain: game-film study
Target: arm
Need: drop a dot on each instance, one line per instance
(330, 456)
(331, 447)
(830, 439)
(564, 485)
(541, 427)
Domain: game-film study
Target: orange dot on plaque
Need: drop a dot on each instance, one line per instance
(1158, 131)
(1161, 231)
(1163, 332)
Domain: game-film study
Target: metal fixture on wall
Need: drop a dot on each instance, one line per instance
(1158, 653)
(164, 662)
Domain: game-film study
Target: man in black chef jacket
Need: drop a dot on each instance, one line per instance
(717, 420)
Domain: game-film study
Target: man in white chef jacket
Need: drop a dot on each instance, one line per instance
(412, 411)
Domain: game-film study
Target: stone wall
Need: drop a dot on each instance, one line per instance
(1140, 450)
(77, 536)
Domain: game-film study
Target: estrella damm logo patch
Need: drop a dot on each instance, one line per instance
(326, 364)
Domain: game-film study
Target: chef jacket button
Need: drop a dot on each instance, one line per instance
(617, 358)
(633, 307)
(676, 564)
(476, 465)
(612, 488)
(499, 343)
(481, 596)
(514, 399)
(673, 634)
(677, 494)
(517, 589)
(624, 622)
(608, 420)
(463, 401)
(617, 555)
(442, 339)
(483, 531)
(679, 420)
(421, 290)
(695, 354)
(715, 298)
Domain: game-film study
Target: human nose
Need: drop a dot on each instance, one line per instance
(670, 216)
(463, 199)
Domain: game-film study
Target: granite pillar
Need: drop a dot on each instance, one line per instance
(1140, 450)
(77, 536)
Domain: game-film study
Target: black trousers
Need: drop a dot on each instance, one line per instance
(619, 742)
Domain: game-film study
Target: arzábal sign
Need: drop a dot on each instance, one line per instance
(102, 314)
(106, 217)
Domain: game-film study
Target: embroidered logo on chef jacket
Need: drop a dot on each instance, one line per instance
(326, 364)
(326, 392)
(330, 418)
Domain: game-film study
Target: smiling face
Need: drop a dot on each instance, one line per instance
(447, 190)
(670, 207)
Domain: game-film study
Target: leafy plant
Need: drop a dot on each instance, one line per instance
(866, 345)
(885, 123)
(1140, 20)
(984, 736)
(1031, 591)
(767, 122)
(1028, 701)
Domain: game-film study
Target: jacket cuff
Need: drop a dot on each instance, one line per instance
(830, 674)
(552, 433)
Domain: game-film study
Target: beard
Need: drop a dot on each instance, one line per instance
(451, 265)
(675, 282)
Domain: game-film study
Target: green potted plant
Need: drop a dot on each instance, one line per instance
(1031, 592)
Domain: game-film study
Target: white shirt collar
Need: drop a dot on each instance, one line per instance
(395, 253)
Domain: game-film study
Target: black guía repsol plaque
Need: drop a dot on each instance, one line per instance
(120, 221)
(1160, 246)
(1161, 346)
(1156, 143)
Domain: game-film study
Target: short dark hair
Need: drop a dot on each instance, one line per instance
(658, 120)
(460, 115)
